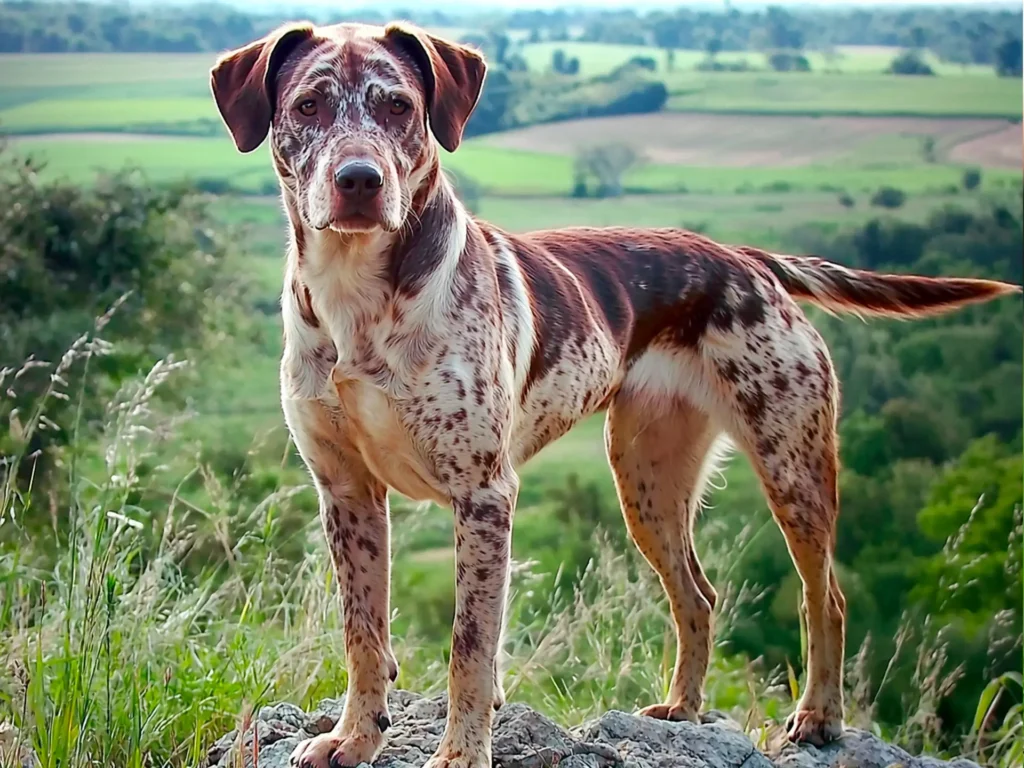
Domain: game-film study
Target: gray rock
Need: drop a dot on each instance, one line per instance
(524, 738)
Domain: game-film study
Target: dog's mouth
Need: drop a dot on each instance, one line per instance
(355, 223)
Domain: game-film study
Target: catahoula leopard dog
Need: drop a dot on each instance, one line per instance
(432, 353)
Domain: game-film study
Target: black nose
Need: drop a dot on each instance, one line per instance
(359, 180)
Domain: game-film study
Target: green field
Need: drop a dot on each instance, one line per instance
(600, 58)
(844, 94)
(500, 171)
(169, 93)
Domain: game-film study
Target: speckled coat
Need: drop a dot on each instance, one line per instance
(431, 353)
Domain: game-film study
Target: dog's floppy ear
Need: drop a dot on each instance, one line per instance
(243, 83)
(453, 76)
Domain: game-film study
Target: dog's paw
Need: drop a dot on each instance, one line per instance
(675, 712)
(813, 727)
(331, 750)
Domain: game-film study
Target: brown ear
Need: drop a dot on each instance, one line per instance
(243, 83)
(453, 76)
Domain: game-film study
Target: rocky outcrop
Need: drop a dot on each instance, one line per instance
(524, 738)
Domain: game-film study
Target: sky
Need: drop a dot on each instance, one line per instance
(641, 5)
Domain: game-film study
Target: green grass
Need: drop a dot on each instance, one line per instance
(852, 94)
(162, 159)
(156, 114)
(501, 171)
(152, 626)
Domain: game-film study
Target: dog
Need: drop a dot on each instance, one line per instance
(429, 352)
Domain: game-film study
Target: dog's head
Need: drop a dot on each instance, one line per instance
(349, 109)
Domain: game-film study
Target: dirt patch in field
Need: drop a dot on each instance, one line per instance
(741, 141)
(1000, 149)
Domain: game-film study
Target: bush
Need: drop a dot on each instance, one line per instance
(644, 62)
(564, 65)
(714, 65)
(71, 254)
(972, 179)
(889, 197)
(788, 61)
(623, 93)
(846, 200)
(909, 63)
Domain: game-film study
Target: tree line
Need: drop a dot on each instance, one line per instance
(959, 35)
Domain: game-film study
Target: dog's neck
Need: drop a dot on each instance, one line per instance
(361, 293)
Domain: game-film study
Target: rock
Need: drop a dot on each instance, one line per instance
(524, 738)
(645, 743)
(857, 749)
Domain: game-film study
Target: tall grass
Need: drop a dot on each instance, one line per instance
(118, 650)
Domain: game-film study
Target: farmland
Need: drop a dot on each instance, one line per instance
(876, 171)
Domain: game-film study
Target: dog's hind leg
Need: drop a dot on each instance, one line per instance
(660, 455)
(781, 398)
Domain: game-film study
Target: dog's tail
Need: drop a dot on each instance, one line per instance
(835, 288)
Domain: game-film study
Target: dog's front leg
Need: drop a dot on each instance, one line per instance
(354, 514)
(483, 541)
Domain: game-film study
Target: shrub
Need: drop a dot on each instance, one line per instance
(789, 61)
(213, 186)
(71, 254)
(972, 179)
(889, 197)
(563, 64)
(644, 62)
(714, 65)
(909, 63)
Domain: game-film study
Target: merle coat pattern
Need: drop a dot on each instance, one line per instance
(430, 352)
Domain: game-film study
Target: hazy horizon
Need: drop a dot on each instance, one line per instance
(643, 5)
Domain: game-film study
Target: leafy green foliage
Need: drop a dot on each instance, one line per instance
(142, 258)
(910, 63)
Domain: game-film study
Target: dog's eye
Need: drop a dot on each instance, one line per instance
(307, 107)
(399, 106)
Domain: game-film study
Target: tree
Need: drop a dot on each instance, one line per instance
(607, 165)
(918, 38)
(500, 44)
(889, 197)
(975, 507)
(666, 33)
(558, 59)
(1008, 58)
(783, 32)
(972, 179)
(928, 149)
